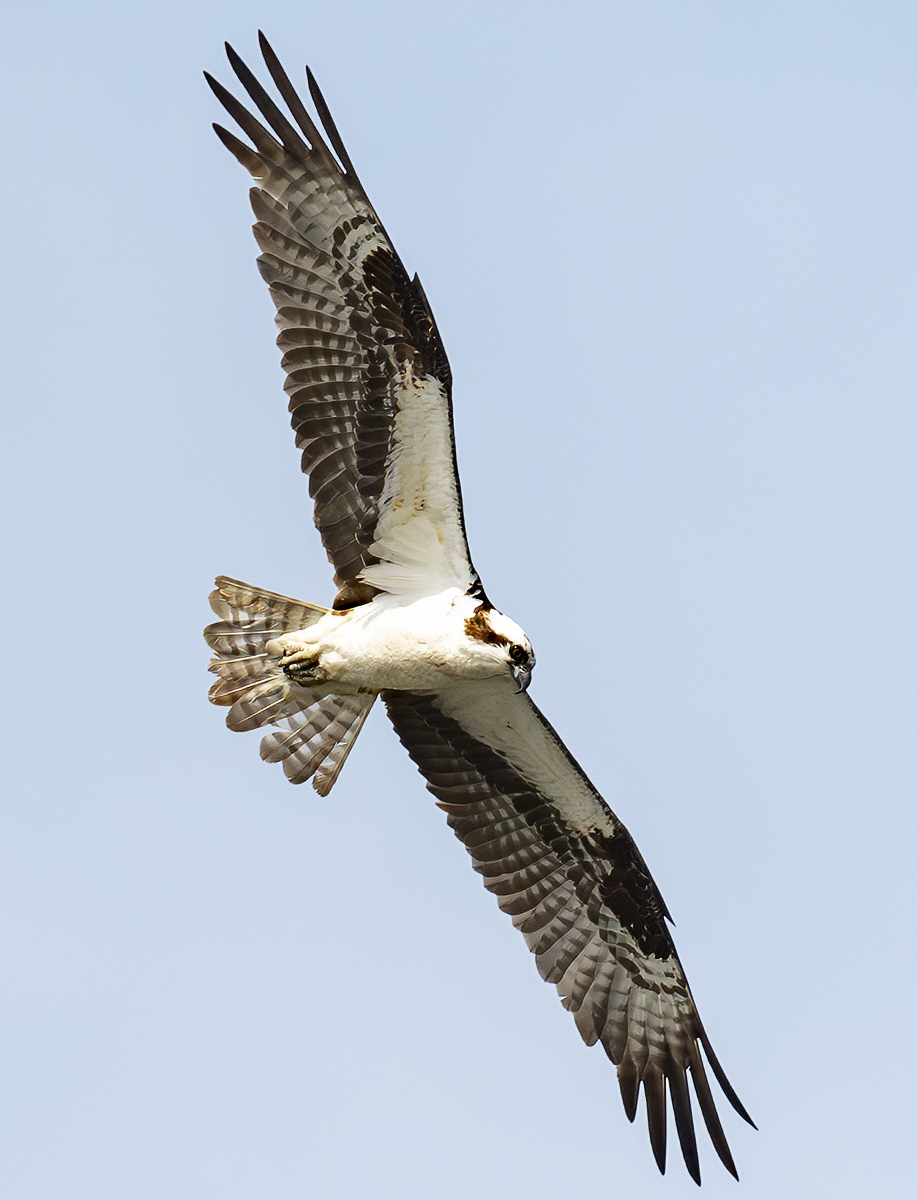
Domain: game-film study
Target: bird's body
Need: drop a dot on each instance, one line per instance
(370, 397)
(397, 643)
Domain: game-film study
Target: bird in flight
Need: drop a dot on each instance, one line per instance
(370, 396)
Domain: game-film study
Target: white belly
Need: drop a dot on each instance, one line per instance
(418, 646)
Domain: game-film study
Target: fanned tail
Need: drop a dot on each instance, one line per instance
(318, 727)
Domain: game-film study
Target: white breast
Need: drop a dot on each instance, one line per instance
(414, 646)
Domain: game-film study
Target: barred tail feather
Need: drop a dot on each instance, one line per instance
(318, 728)
(319, 739)
(242, 605)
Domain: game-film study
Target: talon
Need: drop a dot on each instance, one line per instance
(302, 667)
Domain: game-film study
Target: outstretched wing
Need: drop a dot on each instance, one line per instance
(367, 376)
(566, 869)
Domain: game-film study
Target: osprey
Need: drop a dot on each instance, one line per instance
(370, 396)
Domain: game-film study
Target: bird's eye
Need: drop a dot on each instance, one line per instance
(517, 654)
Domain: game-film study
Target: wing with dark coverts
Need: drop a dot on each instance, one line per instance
(367, 376)
(577, 888)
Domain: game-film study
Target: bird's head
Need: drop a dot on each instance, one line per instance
(504, 641)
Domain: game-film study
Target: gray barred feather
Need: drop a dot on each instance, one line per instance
(240, 604)
(318, 739)
(264, 703)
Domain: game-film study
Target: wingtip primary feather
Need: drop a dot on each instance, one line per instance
(328, 124)
(709, 1111)
(721, 1077)
(242, 153)
(267, 50)
(294, 103)
(685, 1124)
(629, 1084)
(655, 1103)
(253, 129)
(288, 136)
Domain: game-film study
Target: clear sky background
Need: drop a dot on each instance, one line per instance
(672, 250)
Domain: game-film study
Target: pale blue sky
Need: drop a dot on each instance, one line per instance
(672, 251)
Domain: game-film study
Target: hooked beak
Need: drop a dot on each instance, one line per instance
(522, 675)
